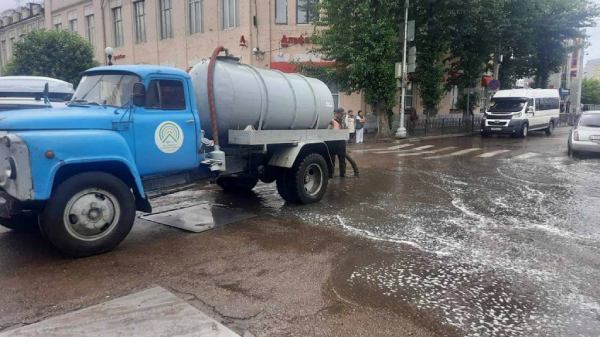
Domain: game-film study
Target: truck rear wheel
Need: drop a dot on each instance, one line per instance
(237, 184)
(306, 182)
(89, 213)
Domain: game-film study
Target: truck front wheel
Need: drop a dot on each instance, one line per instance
(89, 213)
(306, 182)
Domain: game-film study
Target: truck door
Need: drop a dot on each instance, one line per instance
(165, 129)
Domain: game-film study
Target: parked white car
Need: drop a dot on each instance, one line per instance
(28, 92)
(585, 136)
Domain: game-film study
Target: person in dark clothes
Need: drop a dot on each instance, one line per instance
(338, 148)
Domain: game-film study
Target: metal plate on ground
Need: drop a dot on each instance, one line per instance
(150, 313)
(199, 218)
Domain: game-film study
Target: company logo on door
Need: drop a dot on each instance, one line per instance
(168, 137)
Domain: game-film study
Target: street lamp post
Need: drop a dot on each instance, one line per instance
(401, 132)
(109, 55)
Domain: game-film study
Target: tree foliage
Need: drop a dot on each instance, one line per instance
(362, 36)
(457, 41)
(53, 53)
(431, 39)
(590, 91)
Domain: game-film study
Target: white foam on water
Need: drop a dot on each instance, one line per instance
(376, 237)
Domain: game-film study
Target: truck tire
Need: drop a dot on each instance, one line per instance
(237, 184)
(89, 213)
(21, 223)
(306, 182)
(284, 186)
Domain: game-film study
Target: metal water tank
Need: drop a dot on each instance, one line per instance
(265, 99)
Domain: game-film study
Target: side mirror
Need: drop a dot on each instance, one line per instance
(530, 110)
(139, 94)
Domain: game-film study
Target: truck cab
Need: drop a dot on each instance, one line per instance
(81, 172)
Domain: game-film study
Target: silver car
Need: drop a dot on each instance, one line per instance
(585, 136)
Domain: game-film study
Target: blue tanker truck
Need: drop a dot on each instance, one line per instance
(81, 172)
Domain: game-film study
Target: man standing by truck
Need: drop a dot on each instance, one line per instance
(338, 149)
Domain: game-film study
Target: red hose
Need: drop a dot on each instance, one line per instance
(211, 94)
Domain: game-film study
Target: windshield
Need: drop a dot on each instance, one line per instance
(507, 105)
(590, 121)
(104, 89)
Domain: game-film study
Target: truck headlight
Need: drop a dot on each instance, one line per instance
(8, 171)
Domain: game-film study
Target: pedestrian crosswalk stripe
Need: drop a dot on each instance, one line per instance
(492, 153)
(422, 148)
(397, 147)
(454, 154)
(414, 154)
(408, 150)
(526, 155)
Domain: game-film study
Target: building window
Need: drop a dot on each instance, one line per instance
(408, 97)
(231, 13)
(195, 9)
(3, 54)
(166, 30)
(335, 93)
(139, 13)
(281, 12)
(306, 11)
(117, 27)
(11, 47)
(90, 29)
(73, 25)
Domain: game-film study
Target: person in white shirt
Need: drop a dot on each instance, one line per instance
(360, 127)
(351, 124)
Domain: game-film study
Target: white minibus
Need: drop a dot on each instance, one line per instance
(518, 111)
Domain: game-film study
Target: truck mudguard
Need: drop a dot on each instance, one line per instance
(50, 150)
(286, 156)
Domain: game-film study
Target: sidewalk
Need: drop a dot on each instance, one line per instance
(149, 313)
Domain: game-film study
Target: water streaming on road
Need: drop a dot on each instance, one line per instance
(530, 229)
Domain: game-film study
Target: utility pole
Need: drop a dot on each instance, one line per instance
(401, 132)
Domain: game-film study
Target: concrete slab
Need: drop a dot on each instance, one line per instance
(199, 218)
(151, 312)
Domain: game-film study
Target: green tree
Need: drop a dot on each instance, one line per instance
(362, 36)
(432, 44)
(539, 36)
(53, 53)
(590, 91)
(471, 45)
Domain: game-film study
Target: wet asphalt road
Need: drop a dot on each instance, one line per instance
(449, 237)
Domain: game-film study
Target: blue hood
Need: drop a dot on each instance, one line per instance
(75, 117)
